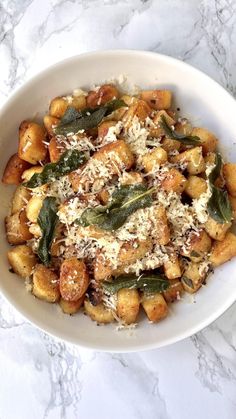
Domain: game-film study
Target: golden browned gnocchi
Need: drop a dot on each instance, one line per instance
(32, 147)
(121, 205)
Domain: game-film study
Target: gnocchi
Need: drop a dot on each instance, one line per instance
(120, 205)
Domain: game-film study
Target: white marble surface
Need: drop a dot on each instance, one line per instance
(41, 377)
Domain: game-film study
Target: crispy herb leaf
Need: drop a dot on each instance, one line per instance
(71, 114)
(124, 202)
(74, 121)
(148, 283)
(185, 139)
(69, 161)
(217, 169)
(47, 220)
(218, 206)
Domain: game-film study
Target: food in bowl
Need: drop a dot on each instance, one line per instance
(120, 204)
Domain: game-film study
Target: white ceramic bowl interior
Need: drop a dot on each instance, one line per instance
(201, 99)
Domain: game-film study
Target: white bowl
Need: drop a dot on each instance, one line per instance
(200, 98)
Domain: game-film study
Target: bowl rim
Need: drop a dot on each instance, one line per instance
(38, 323)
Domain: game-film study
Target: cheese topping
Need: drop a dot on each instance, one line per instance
(105, 173)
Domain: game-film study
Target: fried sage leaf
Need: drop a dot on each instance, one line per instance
(184, 139)
(215, 173)
(74, 121)
(124, 201)
(69, 161)
(218, 206)
(149, 283)
(47, 220)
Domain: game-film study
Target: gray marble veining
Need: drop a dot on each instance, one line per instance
(44, 378)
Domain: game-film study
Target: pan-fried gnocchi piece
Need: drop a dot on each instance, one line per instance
(59, 105)
(74, 279)
(45, 284)
(183, 127)
(114, 156)
(193, 159)
(20, 199)
(22, 260)
(157, 99)
(229, 171)
(193, 277)
(104, 127)
(32, 137)
(207, 139)
(198, 246)
(154, 306)
(170, 145)
(131, 178)
(161, 231)
(17, 228)
(99, 313)
(71, 307)
(33, 208)
(14, 169)
(56, 149)
(50, 122)
(224, 250)
(36, 231)
(103, 196)
(128, 302)
(117, 155)
(173, 180)
(172, 267)
(27, 175)
(195, 187)
(154, 159)
(174, 291)
(105, 94)
(157, 131)
(140, 109)
(216, 230)
(129, 253)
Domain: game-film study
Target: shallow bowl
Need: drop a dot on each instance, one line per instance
(198, 97)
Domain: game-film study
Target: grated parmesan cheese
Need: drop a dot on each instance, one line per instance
(136, 136)
(112, 134)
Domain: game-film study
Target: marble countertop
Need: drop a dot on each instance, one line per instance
(44, 378)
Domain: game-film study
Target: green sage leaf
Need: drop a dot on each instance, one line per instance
(69, 161)
(47, 220)
(74, 121)
(150, 283)
(124, 201)
(218, 206)
(184, 139)
(215, 173)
